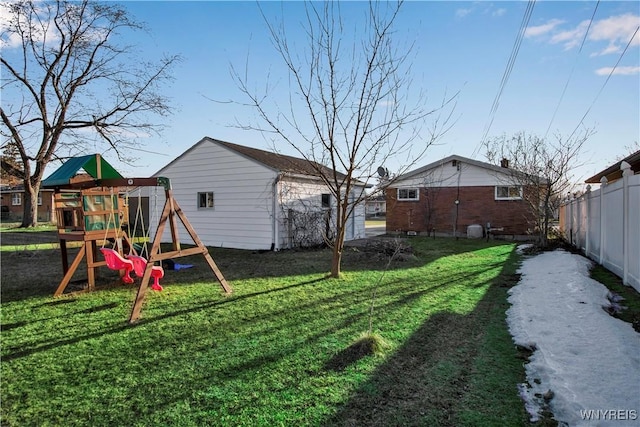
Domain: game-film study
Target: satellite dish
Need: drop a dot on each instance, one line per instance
(383, 172)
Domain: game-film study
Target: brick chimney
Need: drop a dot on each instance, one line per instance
(504, 163)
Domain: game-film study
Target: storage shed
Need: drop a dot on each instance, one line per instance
(246, 198)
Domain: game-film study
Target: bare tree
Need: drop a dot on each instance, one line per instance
(351, 102)
(541, 168)
(68, 86)
(10, 174)
(629, 150)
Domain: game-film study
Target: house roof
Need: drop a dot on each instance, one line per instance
(18, 189)
(275, 161)
(89, 164)
(614, 172)
(461, 159)
(278, 161)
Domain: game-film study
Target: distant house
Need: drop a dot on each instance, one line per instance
(614, 172)
(376, 205)
(13, 204)
(245, 198)
(447, 196)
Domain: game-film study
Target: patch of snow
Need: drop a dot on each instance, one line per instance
(521, 248)
(588, 361)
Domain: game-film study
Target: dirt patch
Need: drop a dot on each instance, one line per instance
(11, 238)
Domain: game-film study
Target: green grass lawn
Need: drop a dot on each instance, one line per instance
(275, 352)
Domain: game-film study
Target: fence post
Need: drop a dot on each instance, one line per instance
(626, 173)
(587, 199)
(603, 185)
(571, 220)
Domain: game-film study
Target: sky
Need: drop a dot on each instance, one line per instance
(589, 360)
(458, 47)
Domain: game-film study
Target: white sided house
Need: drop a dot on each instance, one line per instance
(245, 198)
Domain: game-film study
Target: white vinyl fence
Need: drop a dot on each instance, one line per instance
(605, 225)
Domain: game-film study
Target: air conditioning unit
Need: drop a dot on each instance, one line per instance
(411, 233)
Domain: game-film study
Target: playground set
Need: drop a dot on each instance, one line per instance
(90, 208)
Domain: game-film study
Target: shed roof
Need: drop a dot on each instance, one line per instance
(276, 161)
(93, 164)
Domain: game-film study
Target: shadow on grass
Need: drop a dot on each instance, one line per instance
(358, 350)
(44, 346)
(445, 374)
(21, 281)
(225, 358)
(405, 288)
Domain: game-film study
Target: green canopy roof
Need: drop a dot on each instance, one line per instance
(70, 168)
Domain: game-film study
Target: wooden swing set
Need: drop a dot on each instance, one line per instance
(88, 211)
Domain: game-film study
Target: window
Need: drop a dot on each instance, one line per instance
(504, 192)
(326, 200)
(408, 194)
(16, 199)
(205, 200)
(39, 199)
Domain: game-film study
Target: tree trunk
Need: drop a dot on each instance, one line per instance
(336, 261)
(338, 246)
(30, 207)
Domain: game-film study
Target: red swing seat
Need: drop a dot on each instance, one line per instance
(115, 261)
(140, 264)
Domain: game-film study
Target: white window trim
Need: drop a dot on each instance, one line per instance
(408, 199)
(508, 198)
(39, 199)
(212, 200)
(16, 199)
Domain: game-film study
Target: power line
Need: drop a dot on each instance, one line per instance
(508, 70)
(606, 81)
(566, 85)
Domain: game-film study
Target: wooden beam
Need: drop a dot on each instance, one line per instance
(214, 268)
(74, 266)
(170, 211)
(153, 253)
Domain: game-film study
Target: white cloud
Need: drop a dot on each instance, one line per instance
(499, 12)
(539, 30)
(461, 13)
(571, 38)
(612, 48)
(385, 104)
(619, 71)
(483, 8)
(615, 30)
(41, 32)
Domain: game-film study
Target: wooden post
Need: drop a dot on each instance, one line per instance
(155, 248)
(98, 166)
(214, 268)
(170, 211)
(69, 273)
(173, 225)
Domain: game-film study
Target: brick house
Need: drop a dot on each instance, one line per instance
(449, 195)
(13, 204)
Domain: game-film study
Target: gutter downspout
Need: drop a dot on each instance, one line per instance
(274, 224)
